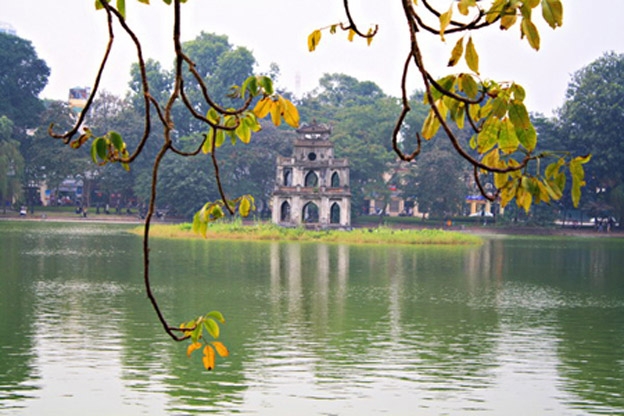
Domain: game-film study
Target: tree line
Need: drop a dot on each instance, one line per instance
(361, 114)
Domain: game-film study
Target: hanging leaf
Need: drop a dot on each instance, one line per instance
(313, 40)
(121, 8)
(530, 31)
(472, 58)
(209, 358)
(369, 36)
(464, 5)
(507, 139)
(445, 20)
(457, 52)
(291, 114)
(221, 349)
(468, 85)
(552, 11)
(192, 347)
(262, 108)
(212, 327)
(216, 315)
(351, 35)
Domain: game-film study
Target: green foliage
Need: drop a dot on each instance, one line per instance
(503, 137)
(23, 77)
(11, 164)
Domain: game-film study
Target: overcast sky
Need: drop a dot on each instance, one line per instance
(71, 36)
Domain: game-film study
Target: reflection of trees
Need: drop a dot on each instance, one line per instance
(17, 311)
(591, 356)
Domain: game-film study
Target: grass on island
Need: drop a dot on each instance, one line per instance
(269, 232)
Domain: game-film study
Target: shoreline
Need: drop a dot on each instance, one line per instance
(476, 230)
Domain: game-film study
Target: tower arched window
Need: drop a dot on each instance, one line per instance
(310, 213)
(334, 215)
(285, 212)
(287, 177)
(335, 180)
(311, 179)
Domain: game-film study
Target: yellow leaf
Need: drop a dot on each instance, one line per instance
(530, 31)
(463, 6)
(221, 349)
(291, 114)
(508, 19)
(351, 35)
(552, 11)
(430, 126)
(445, 20)
(313, 40)
(276, 112)
(192, 347)
(507, 139)
(369, 36)
(457, 52)
(263, 107)
(207, 146)
(209, 358)
(472, 58)
(244, 207)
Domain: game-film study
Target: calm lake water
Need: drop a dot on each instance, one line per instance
(514, 327)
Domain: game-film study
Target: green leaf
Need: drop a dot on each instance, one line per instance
(552, 11)
(212, 327)
(447, 83)
(116, 140)
(102, 147)
(472, 57)
(251, 85)
(468, 85)
(212, 116)
(488, 136)
(267, 85)
(216, 315)
(210, 136)
(219, 138)
(507, 139)
(499, 107)
(243, 132)
(524, 128)
(121, 7)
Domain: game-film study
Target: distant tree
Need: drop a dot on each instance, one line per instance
(22, 77)
(11, 165)
(591, 120)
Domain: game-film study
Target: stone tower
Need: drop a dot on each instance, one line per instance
(312, 187)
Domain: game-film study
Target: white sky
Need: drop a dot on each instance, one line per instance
(71, 36)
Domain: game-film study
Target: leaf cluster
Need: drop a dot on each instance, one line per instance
(504, 140)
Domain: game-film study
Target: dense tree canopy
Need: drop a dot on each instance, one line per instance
(22, 77)
(592, 117)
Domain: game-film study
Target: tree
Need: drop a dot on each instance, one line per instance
(218, 123)
(11, 164)
(494, 111)
(590, 122)
(23, 77)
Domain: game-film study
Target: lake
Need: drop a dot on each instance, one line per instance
(517, 326)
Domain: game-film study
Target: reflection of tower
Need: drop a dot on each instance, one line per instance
(78, 98)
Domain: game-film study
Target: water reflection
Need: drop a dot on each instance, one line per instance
(514, 327)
